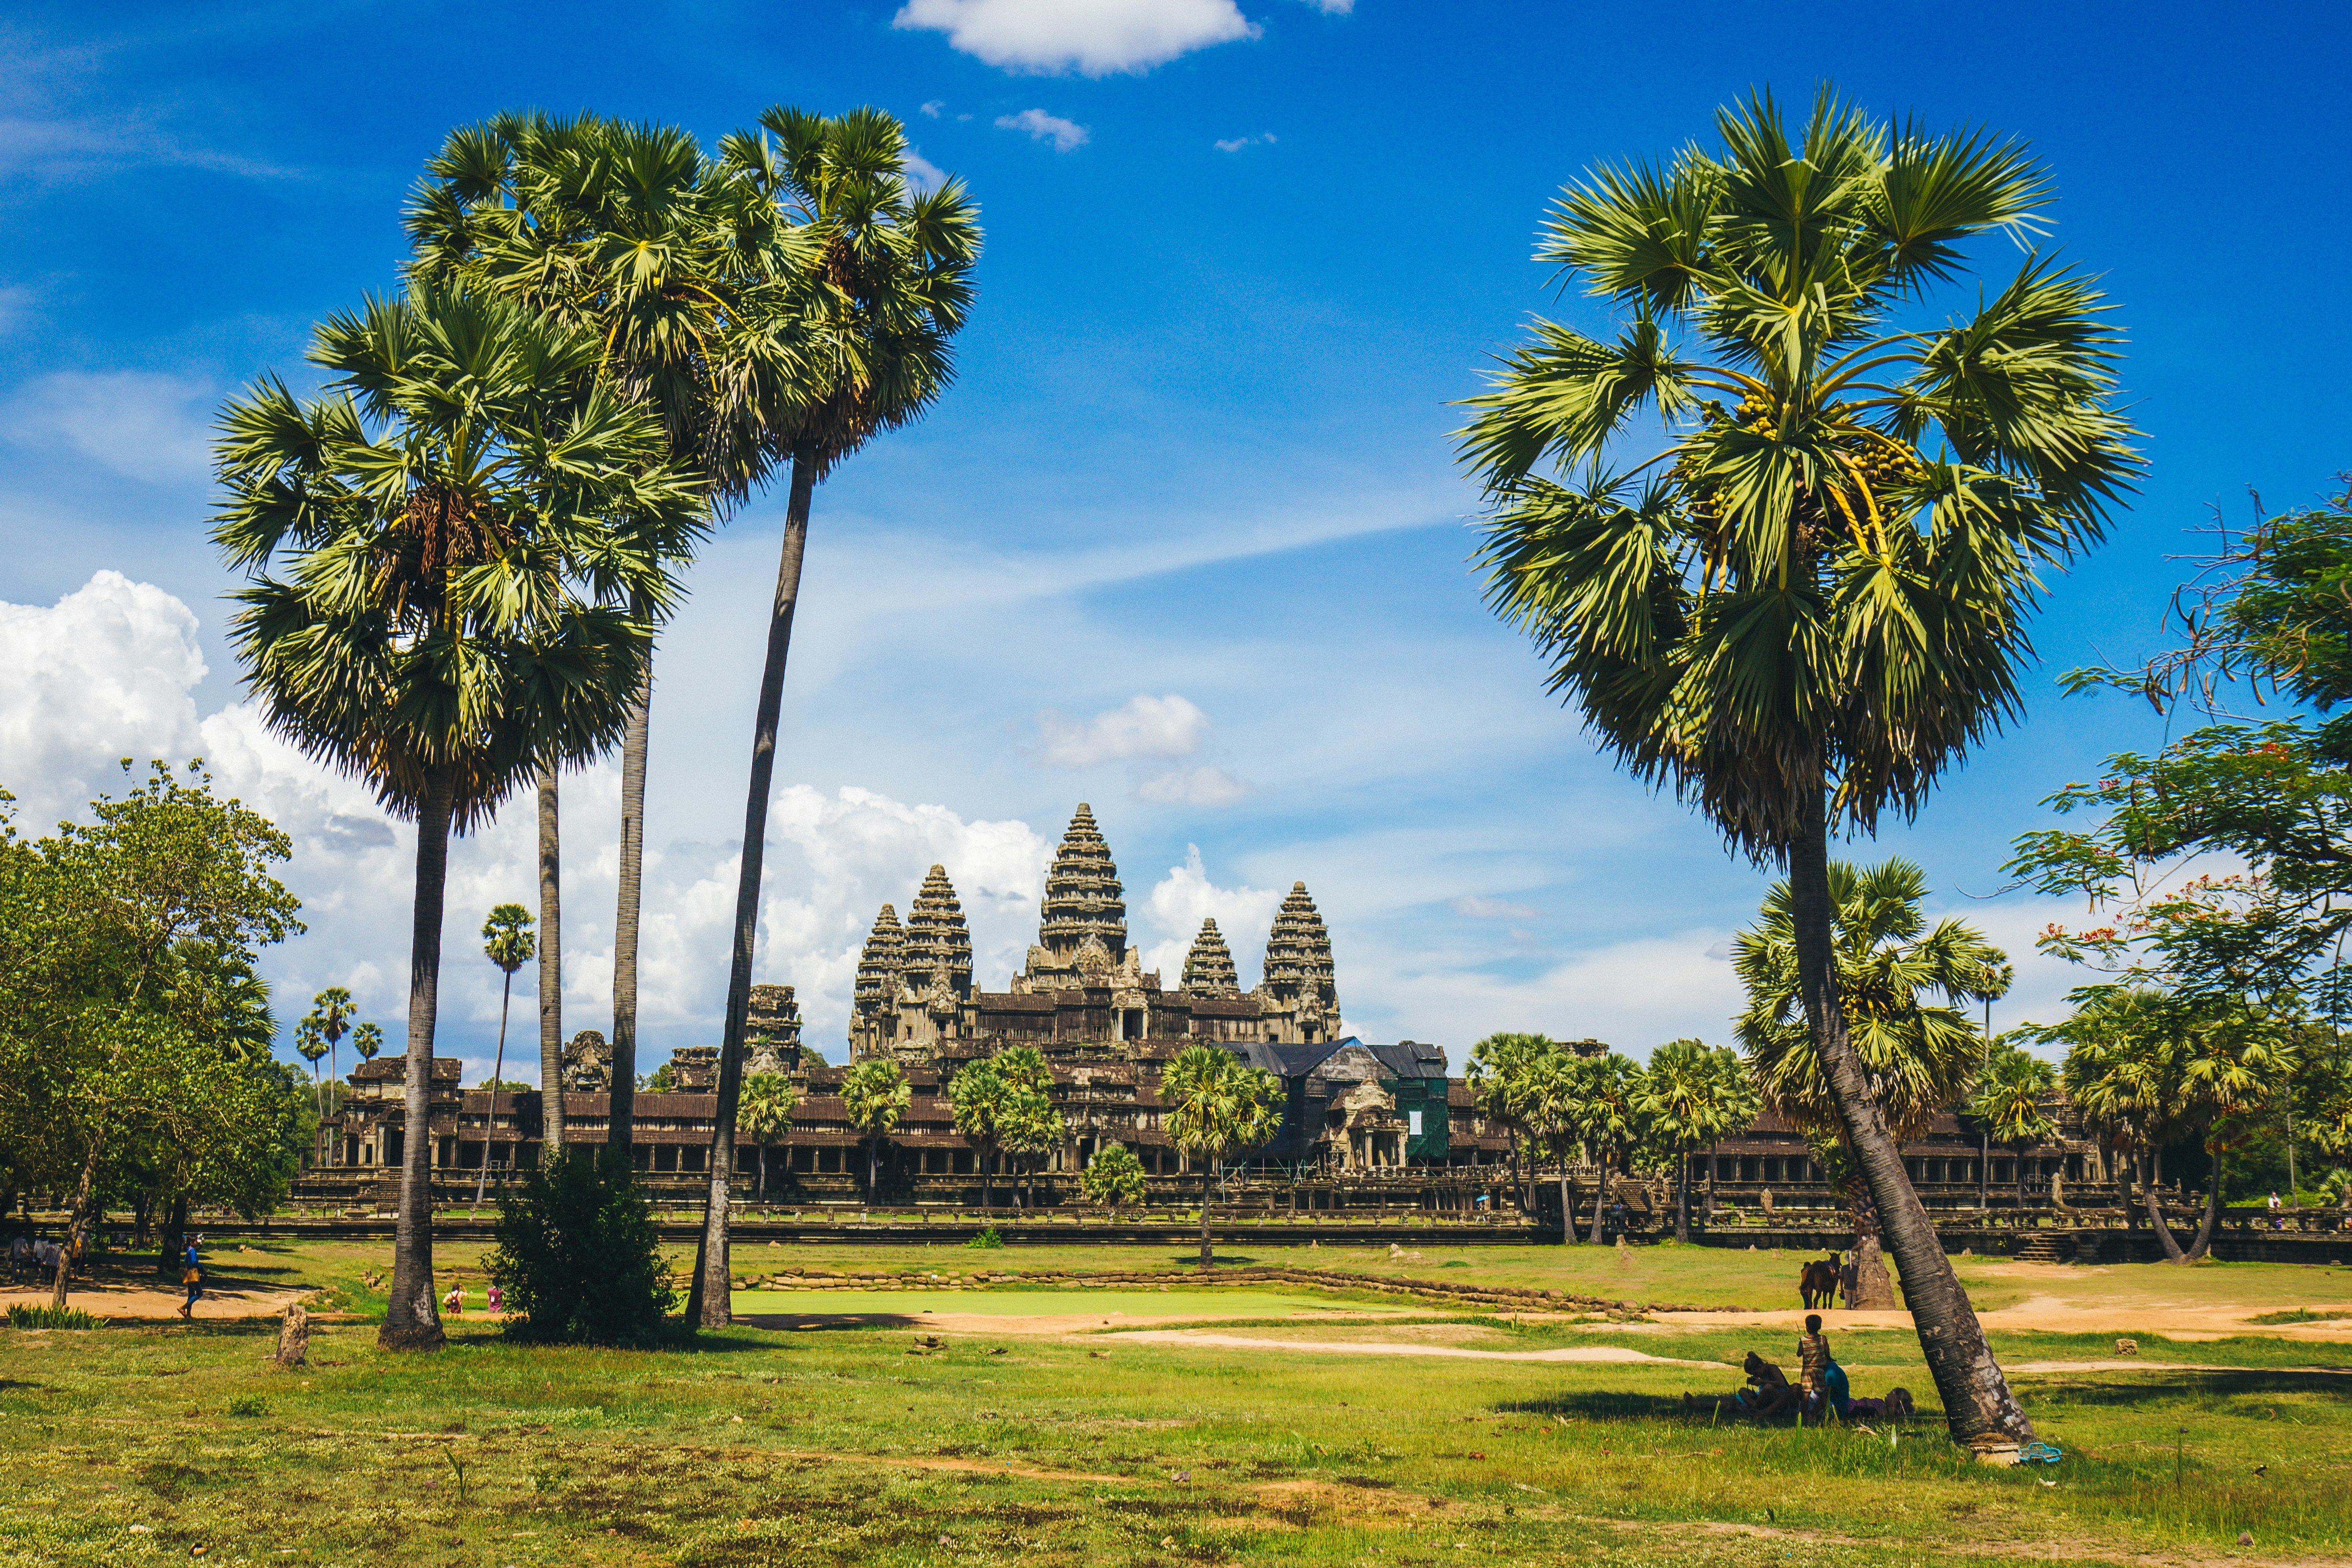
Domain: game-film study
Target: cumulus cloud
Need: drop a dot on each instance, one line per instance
(1180, 900)
(932, 108)
(1066, 135)
(1192, 787)
(1094, 37)
(1238, 142)
(137, 422)
(921, 173)
(1144, 726)
(1478, 908)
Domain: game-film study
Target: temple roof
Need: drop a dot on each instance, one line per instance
(877, 965)
(1209, 968)
(1298, 952)
(937, 943)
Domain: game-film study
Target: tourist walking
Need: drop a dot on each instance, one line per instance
(191, 1275)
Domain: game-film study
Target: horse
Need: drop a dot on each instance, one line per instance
(1818, 1282)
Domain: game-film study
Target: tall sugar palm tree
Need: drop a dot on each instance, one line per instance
(333, 1010)
(868, 351)
(1694, 1095)
(876, 1095)
(1547, 1096)
(1216, 1105)
(2010, 1105)
(629, 233)
(1809, 598)
(980, 1098)
(1604, 1109)
(1917, 1056)
(455, 520)
(1502, 1067)
(311, 1045)
(507, 941)
(367, 1039)
(766, 1115)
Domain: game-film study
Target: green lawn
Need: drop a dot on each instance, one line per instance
(143, 1443)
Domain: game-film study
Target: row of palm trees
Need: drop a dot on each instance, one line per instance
(463, 550)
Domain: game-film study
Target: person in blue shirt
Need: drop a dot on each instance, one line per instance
(191, 1275)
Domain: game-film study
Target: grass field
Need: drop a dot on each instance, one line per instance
(1029, 1440)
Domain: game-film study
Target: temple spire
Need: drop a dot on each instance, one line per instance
(938, 950)
(1298, 984)
(1209, 968)
(1083, 896)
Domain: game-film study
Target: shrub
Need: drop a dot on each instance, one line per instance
(24, 1317)
(987, 1238)
(578, 1255)
(1114, 1179)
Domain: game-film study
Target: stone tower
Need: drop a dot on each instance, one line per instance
(771, 1026)
(1298, 994)
(1209, 968)
(936, 957)
(874, 1016)
(1082, 936)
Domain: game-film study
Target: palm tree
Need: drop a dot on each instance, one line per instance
(550, 961)
(1916, 1057)
(509, 944)
(1216, 1105)
(1114, 1179)
(766, 1115)
(1501, 1069)
(310, 1044)
(367, 1039)
(1546, 1093)
(868, 351)
(1602, 1109)
(876, 1095)
(1694, 1095)
(980, 1098)
(620, 231)
(2008, 1104)
(1815, 601)
(446, 514)
(333, 1008)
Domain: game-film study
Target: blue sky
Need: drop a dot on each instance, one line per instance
(1186, 540)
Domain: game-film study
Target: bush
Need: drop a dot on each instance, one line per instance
(24, 1317)
(579, 1257)
(987, 1238)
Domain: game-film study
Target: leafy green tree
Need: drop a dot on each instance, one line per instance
(1217, 1105)
(1812, 598)
(456, 517)
(1693, 1097)
(2011, 1103)
(1604, 1109)
(869, 351)
(508, 942)
(1915, 1056)
(766, 1115)
(578, 1256)
(876, 1094)
(1031, 1129)
(131, 1026)
(1547, 1095)
(1114, 1179)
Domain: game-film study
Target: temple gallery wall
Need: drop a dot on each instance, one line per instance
(1391, 1118)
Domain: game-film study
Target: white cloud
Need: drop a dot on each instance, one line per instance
(1236, 143)
(1144, 726)
(1094, 37)
(103, 673)
(1193, 786)
(932, 108)
(1180, 900)
(1066, 135)
(1478, 908)
(54, 150)
(1334, 7)
(136, 422)
(921, 173)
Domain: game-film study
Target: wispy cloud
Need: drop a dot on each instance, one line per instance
(136, 422)
(50, 151)
(921, 173)
(1236, 143)
(1143, 726)
(932, 107)
(1066, 135)
(1193, 786)
(1093, 37)
(1477, 908)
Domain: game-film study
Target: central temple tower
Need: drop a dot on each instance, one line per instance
(1081, 935)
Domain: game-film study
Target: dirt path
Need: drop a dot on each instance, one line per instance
(115, 1300)
(1040, 1325)
(1591, 1352)
(2060, 1314)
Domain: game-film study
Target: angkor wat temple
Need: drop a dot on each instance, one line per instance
(1358, 1117)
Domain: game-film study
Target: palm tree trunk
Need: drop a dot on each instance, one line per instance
(1682, 1200)
(2151, 1170)
(1567, 1207)
(707, 1301)
(1208, 1190)
(2212, 1211)
(762, 1189)
(620, 1128)
(550, 969)
(498, 1071)
(1600, 1194)
(1978, 1408)
(412, 1321)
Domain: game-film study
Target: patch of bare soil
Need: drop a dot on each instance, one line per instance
(2060, 1314)
(116, 1301)
(1300, 1501)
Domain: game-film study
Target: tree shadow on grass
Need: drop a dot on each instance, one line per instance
(2193, 1385)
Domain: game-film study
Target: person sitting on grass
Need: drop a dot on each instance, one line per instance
(453, 1303)
(1812, 1355)
(1896, 1407)
(1766, 1394)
